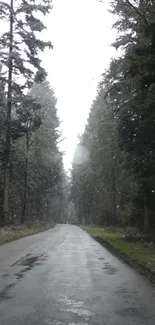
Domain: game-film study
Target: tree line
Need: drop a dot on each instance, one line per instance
(113, 172)
(32, 176)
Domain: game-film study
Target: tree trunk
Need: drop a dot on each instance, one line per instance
(25, 181)
(1, 204)
(114, 196)
(8, 120)
(113, 184)
(146, 215)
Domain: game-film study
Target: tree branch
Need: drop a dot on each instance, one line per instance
(137, 11)
(2, 3)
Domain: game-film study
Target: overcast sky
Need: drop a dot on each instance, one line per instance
(80, 31)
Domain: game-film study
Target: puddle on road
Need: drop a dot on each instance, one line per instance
(130, 311)
(126, 293)
(122, 290)
(4, 294)
(28, 262)
(18, 262)
(78, 324)
(5, 275)
(79, 312)
(75, 307)
(19, 275)
(55, 322)
(73, 303)
(109, 270)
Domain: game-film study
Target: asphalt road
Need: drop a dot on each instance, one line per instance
(64, 277)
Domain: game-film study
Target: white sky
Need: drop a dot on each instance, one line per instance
(80, 31)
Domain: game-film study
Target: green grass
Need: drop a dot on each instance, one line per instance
(139, 250)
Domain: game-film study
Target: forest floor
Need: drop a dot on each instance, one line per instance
(10, 233)
(135, 248)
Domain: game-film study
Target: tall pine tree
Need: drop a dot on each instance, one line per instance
(19, 52)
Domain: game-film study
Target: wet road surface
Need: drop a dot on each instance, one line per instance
(64, 277)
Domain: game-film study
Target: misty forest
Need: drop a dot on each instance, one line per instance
(32, 176)
(77, 195)
(113, 174)
(112, 179)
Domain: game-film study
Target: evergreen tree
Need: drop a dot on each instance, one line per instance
(36, 171)
(100, 185)
(19, 49)
(130, 84)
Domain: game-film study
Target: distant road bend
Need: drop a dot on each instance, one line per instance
(64, 277)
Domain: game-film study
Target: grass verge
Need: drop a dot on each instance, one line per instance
(8, 234)
(138, 248)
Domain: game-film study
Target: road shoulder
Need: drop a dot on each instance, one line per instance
(12, 233)
(138, 254)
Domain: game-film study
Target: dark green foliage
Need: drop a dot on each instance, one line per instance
(122, 125)
(42, 197)
(100, 184)
(133, 88)
(20, 46)
(26, 44)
